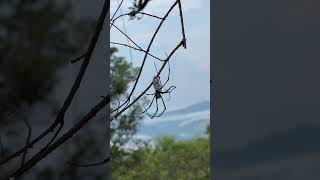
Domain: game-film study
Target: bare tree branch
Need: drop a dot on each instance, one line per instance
(182, 25)
(78, 58)
(128, 14)
(137, 49)
(126, 35)
(72, 131)
(106, 160)
(23, 159)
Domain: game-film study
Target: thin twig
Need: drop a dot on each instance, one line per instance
(78, 58)
(23, 159)
(90, 165)
(137, 49)
(72, 131)
(114, 14)
(125, 30)
(182, 25)
(126, 36)
(128, 14)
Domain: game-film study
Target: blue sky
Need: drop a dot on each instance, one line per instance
(190, 68)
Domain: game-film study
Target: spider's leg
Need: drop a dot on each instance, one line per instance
(156, 109)
(168, 76)
(152, 93)
(146, 109)
(168, 91)
(155, 67)
(171, 88)
(164, 106)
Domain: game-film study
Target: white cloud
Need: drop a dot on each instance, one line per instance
(199, 116)
(157, 6)
(142, 137)
(183, 135)
(185, 118)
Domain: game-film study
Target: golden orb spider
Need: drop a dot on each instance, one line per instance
(156, 82)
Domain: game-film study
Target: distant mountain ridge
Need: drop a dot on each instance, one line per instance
(183, 123)
(201, 106)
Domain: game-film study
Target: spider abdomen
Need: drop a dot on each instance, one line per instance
(156, 83)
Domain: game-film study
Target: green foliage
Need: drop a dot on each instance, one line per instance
(122, 73)
(137, 7)
(168, 159)
(31, 81)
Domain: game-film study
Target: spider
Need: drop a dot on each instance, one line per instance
(156, 82)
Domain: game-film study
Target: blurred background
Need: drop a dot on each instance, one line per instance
(38, 40)
(267, 89)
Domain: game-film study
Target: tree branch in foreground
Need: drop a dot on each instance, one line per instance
(72, 131)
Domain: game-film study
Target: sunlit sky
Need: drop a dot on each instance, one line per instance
(190, 68)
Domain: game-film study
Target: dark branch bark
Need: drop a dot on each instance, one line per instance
(23, 159)
(182, 25)
(106, 160)
(137, 49)
(78, 58)
(126, 36)
(128, 14)
(72, 131)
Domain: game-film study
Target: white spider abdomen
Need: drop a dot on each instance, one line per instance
(156, 83)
